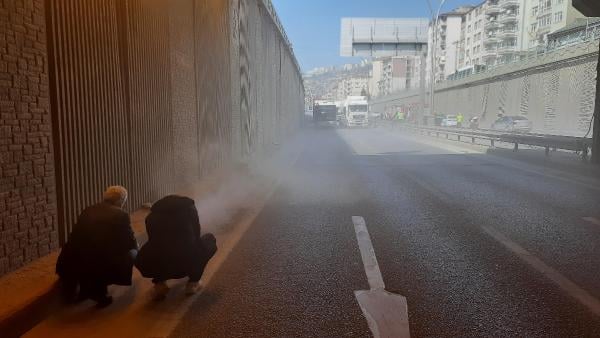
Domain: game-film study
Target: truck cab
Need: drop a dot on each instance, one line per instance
(356, 111)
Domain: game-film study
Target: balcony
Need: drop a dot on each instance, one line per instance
(507, 49)
(544, 10)
(491, 39)
(493, 9)
(491, 24)
(508, 18)
(509, 3)
(507, 34)
(489, 53)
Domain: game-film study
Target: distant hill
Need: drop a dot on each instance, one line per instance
(323, 81)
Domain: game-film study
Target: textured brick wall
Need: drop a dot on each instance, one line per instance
(27, 207)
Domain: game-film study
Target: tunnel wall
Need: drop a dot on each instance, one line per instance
(268, 88)
(555, 91)
(151, 94)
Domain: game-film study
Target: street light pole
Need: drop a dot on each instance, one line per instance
(434, 22)
(596, 119)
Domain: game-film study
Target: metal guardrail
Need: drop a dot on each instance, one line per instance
(581, 145)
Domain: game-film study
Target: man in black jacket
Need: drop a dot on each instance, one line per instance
(100, 251)
(175, 247)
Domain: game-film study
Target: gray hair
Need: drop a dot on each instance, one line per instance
(116, 195)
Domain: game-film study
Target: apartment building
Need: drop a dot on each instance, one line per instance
(546, 16)
(376, 77)
(447, 38)
(472, 38)
(352, 86)
(395, 74)
(501, 31)
(490, 34)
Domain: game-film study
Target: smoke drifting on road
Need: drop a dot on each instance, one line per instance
(236, 192)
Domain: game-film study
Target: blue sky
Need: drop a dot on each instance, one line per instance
(313, 26)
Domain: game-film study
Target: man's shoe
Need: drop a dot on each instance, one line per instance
(192, 287)
(160, 291)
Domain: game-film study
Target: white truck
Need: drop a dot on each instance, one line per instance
(355, 111)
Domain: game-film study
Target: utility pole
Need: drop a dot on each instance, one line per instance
(596, 117)
(591, 8)
(434, 24)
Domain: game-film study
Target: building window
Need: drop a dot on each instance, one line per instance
(534, 11)
(558, 16)
(534, 26)
(469, 29)
(545, 20)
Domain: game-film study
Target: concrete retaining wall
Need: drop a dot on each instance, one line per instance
(555, 91)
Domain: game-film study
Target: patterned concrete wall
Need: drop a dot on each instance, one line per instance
(556, 92)
(270, 93)
(212, 62)
(150, 94)
(184, 95)
(151, 118)
(27, 202)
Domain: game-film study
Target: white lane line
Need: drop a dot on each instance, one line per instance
(592, 220)
(368, 254)
(386, 313)
(572, 289)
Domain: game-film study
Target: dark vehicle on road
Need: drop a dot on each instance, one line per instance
(325, 113)
(513, 124)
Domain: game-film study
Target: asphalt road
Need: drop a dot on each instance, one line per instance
(480, 245)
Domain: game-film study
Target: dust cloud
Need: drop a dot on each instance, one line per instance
(235, 192)
(311, 183)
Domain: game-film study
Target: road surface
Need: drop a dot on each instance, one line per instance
(480, 245)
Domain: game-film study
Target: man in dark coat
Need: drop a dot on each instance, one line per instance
(175, 248)
(100, 251)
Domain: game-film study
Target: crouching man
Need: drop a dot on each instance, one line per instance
(100, 251)
(175, 248)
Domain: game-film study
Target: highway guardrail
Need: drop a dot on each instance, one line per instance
(581, 145)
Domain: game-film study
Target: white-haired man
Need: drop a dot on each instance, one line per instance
(100, 251)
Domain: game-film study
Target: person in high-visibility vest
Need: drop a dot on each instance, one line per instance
(459, 119)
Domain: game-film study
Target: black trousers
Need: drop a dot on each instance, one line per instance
(208, 248)
(92, 287)
(88, 288)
